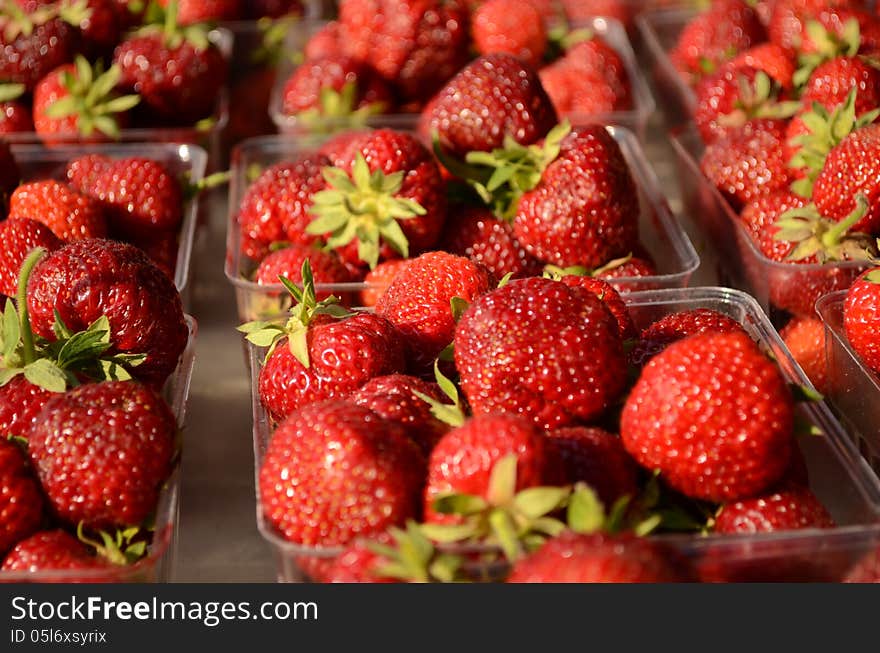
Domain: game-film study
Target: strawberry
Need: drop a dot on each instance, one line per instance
(21, 504)
(787, 509)
(492, 97)
(314, 357)
(200, 11)
(745, 410)
(599, 558)
(597, 458)
(334, 471)
(416, 46)
(387, 200)
(78, 100)
(358, 563)
(326, 42)
(178, 73)
(463, 460)
(51, 551)
(476, 233)
(805, 338)
(675, 326)
(162, 249)
(585, 209)
(10, 176)
(15, 115)
(749, 162)
(335, 86)
(18, 237)
(141, 197)
(512, 27)
(418, 302)
(395, 398)
(379, 278)
(773, 60)
(789, 20)
(102, 451)
(627, 267)
(101, 27)
(831, 83)
(20, 404)
(88, 279)
(861, 317)
(288, 262)
(541, 349)
(610, 297)
(70, 215)
(760, 216)
(275, 208)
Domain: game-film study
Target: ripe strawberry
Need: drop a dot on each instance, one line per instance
(676, 326)
(326, 42)
(15, 115)
(87, 279)
(805, 339)
(358, 563)
(540, 349)
(335, 86)
(162, 249)
(34, 43)
(418, 302)
(597, 458)
(200, 11)
(741, 402)
(776, 62)
(760, 217)
(861, 317)
(610, 297)
(141, 197)
(20, 404)
(178, 74)
(787, 509)
(18, 237)
(585, 209)
(334, 471)
(416, 46)
(626, 268)
(21, 504)
(288, 262)
(599, 558)
(70, 215)
(463, 459)
(101, 28)
(275, 208)
(787, 25)
(476, 233)
(394, 398)
(512, 27)
(749, 162)
(831, 83)
(493, 96)
(379, 278)
(51, 550)
(102, 451)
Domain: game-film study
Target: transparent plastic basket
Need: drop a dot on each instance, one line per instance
(838, 475)
(661, 233)
(158, 564)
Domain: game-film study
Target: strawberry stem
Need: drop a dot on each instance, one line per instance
(834, 235)
(27, 336)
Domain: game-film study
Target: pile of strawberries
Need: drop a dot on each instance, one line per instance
(541, 448)
(88, 443)
(394, 56)
(861, 318)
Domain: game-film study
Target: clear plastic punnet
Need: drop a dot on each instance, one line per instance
(158, 564)
(661, 233)
(838, 475)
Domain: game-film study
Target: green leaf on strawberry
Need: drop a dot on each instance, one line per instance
(828, 45)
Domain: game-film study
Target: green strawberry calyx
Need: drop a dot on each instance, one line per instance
(873, 276)
(451, 414)
(827, 240)
(304, 311)
(91, 97)
(829, 45)
(414, 558)
(123, 547)
(758, 99)
(339, 110)
(826, 130)
(364, 207)
(162, 22)
(502, 176)
(272, 51)
(10, 92)
(15, 21)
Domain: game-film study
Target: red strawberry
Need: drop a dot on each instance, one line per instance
(585, 209)
(760, 217)
(597, 458)
(18, 237)
(789, 19)
(335, 86)
(51, 551)
(832, 82)
(33, 43)
(599, 558)
(69, 214)
(357, 564)
(200, 11)
(787, 509)
(476, 233)
(334, 471)
(326, 42)
(610, 297)
(805, 339)
(541, 349)
(288, 262)
(20, 404)
(379, 278)
(88, 279)
(724, 383)
(418, 302)
(394, 398)
(21, 504)
(416, 46)
(770, 58)
(162, 249)
(142, 198)
(625, 268)
(512, 27)
(675, 326)
(861, 316)
(749, 162)
(492, 97)
(101, 29)
(463, 459)
(275, 207)
(15, 115)
(102, 451)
